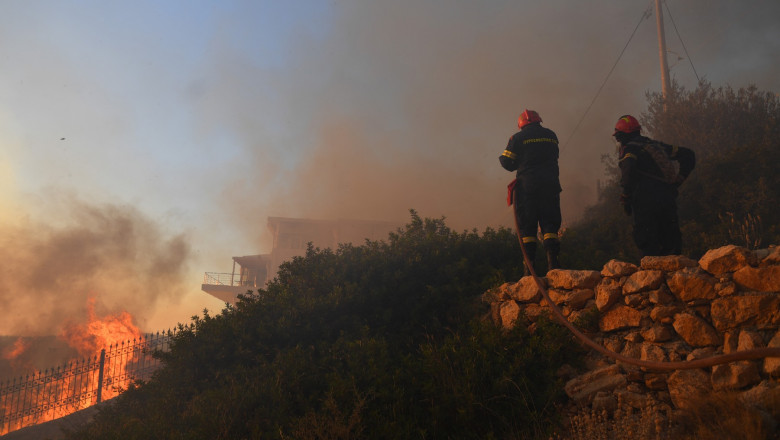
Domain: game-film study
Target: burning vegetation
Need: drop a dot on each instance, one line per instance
(99, 332)
(107, 349)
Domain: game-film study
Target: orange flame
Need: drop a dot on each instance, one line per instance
(97, 334)
(16, 350)
(88, 339)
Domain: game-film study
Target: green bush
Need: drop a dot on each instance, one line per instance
(383, 340)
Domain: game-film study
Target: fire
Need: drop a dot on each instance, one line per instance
(62, 393)
(96, 334)
(16, 350)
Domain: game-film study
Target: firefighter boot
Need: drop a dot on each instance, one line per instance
(553, 248)
(530, 249)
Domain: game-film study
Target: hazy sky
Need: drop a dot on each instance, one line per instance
(144, 143)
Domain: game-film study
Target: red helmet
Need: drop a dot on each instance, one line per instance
(528, 117)
(627, 124)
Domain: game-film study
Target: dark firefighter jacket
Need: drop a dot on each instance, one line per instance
(649, 178)
(533, 152)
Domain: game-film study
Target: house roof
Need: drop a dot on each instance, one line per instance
(252, 261)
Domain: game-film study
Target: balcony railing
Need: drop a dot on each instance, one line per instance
(220, 279)
(227, 279)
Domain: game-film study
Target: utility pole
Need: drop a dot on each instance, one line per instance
(659, 20)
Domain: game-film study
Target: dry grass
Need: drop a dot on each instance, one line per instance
(650, 423)
(747, 232)
(722, 416)
(725, 416)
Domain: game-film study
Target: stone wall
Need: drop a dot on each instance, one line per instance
(666, 309)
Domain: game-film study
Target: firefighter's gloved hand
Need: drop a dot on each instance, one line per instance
(625, 200)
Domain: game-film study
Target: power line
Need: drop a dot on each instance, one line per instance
(669, 11)
(645, 15)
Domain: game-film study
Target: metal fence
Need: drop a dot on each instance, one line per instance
(57, 392)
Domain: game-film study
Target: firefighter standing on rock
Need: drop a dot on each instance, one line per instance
(649, 180)
(535, 193)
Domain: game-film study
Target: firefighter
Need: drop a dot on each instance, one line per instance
(649, 181)
(535, 193)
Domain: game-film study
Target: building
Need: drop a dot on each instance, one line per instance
(291, 236)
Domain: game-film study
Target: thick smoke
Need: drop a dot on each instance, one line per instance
(408, 104)
(112, 254)
(381, 107)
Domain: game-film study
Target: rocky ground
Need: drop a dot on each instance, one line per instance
(666, 309)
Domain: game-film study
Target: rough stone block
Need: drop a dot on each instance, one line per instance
(728, 258)
(573, 279)
(760, 279)
(617, 269)
(735, 375)
(691, 284)
(583, 387)
(759, 310)
(695, 331)
(643, 280)
(667, 263)
(686, 386)
(619, 317)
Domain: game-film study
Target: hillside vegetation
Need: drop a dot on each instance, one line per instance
(389, 339)
(383, 340)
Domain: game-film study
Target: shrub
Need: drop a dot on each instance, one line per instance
(384, 340)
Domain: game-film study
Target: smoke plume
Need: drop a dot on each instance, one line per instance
(111, 253)
(213, 122)
(408, 104)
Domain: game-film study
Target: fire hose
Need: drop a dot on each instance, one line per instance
(758, 353)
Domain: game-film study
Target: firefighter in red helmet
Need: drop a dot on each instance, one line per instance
(535, 193)
(649, 180)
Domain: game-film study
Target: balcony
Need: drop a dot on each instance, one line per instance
(227, 286)
(226, 279)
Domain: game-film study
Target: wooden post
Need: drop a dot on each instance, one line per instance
(659, 20)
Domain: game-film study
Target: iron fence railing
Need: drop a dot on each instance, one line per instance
(47, 395)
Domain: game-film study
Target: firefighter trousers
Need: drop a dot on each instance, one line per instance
(535, 211)
(657, 228)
